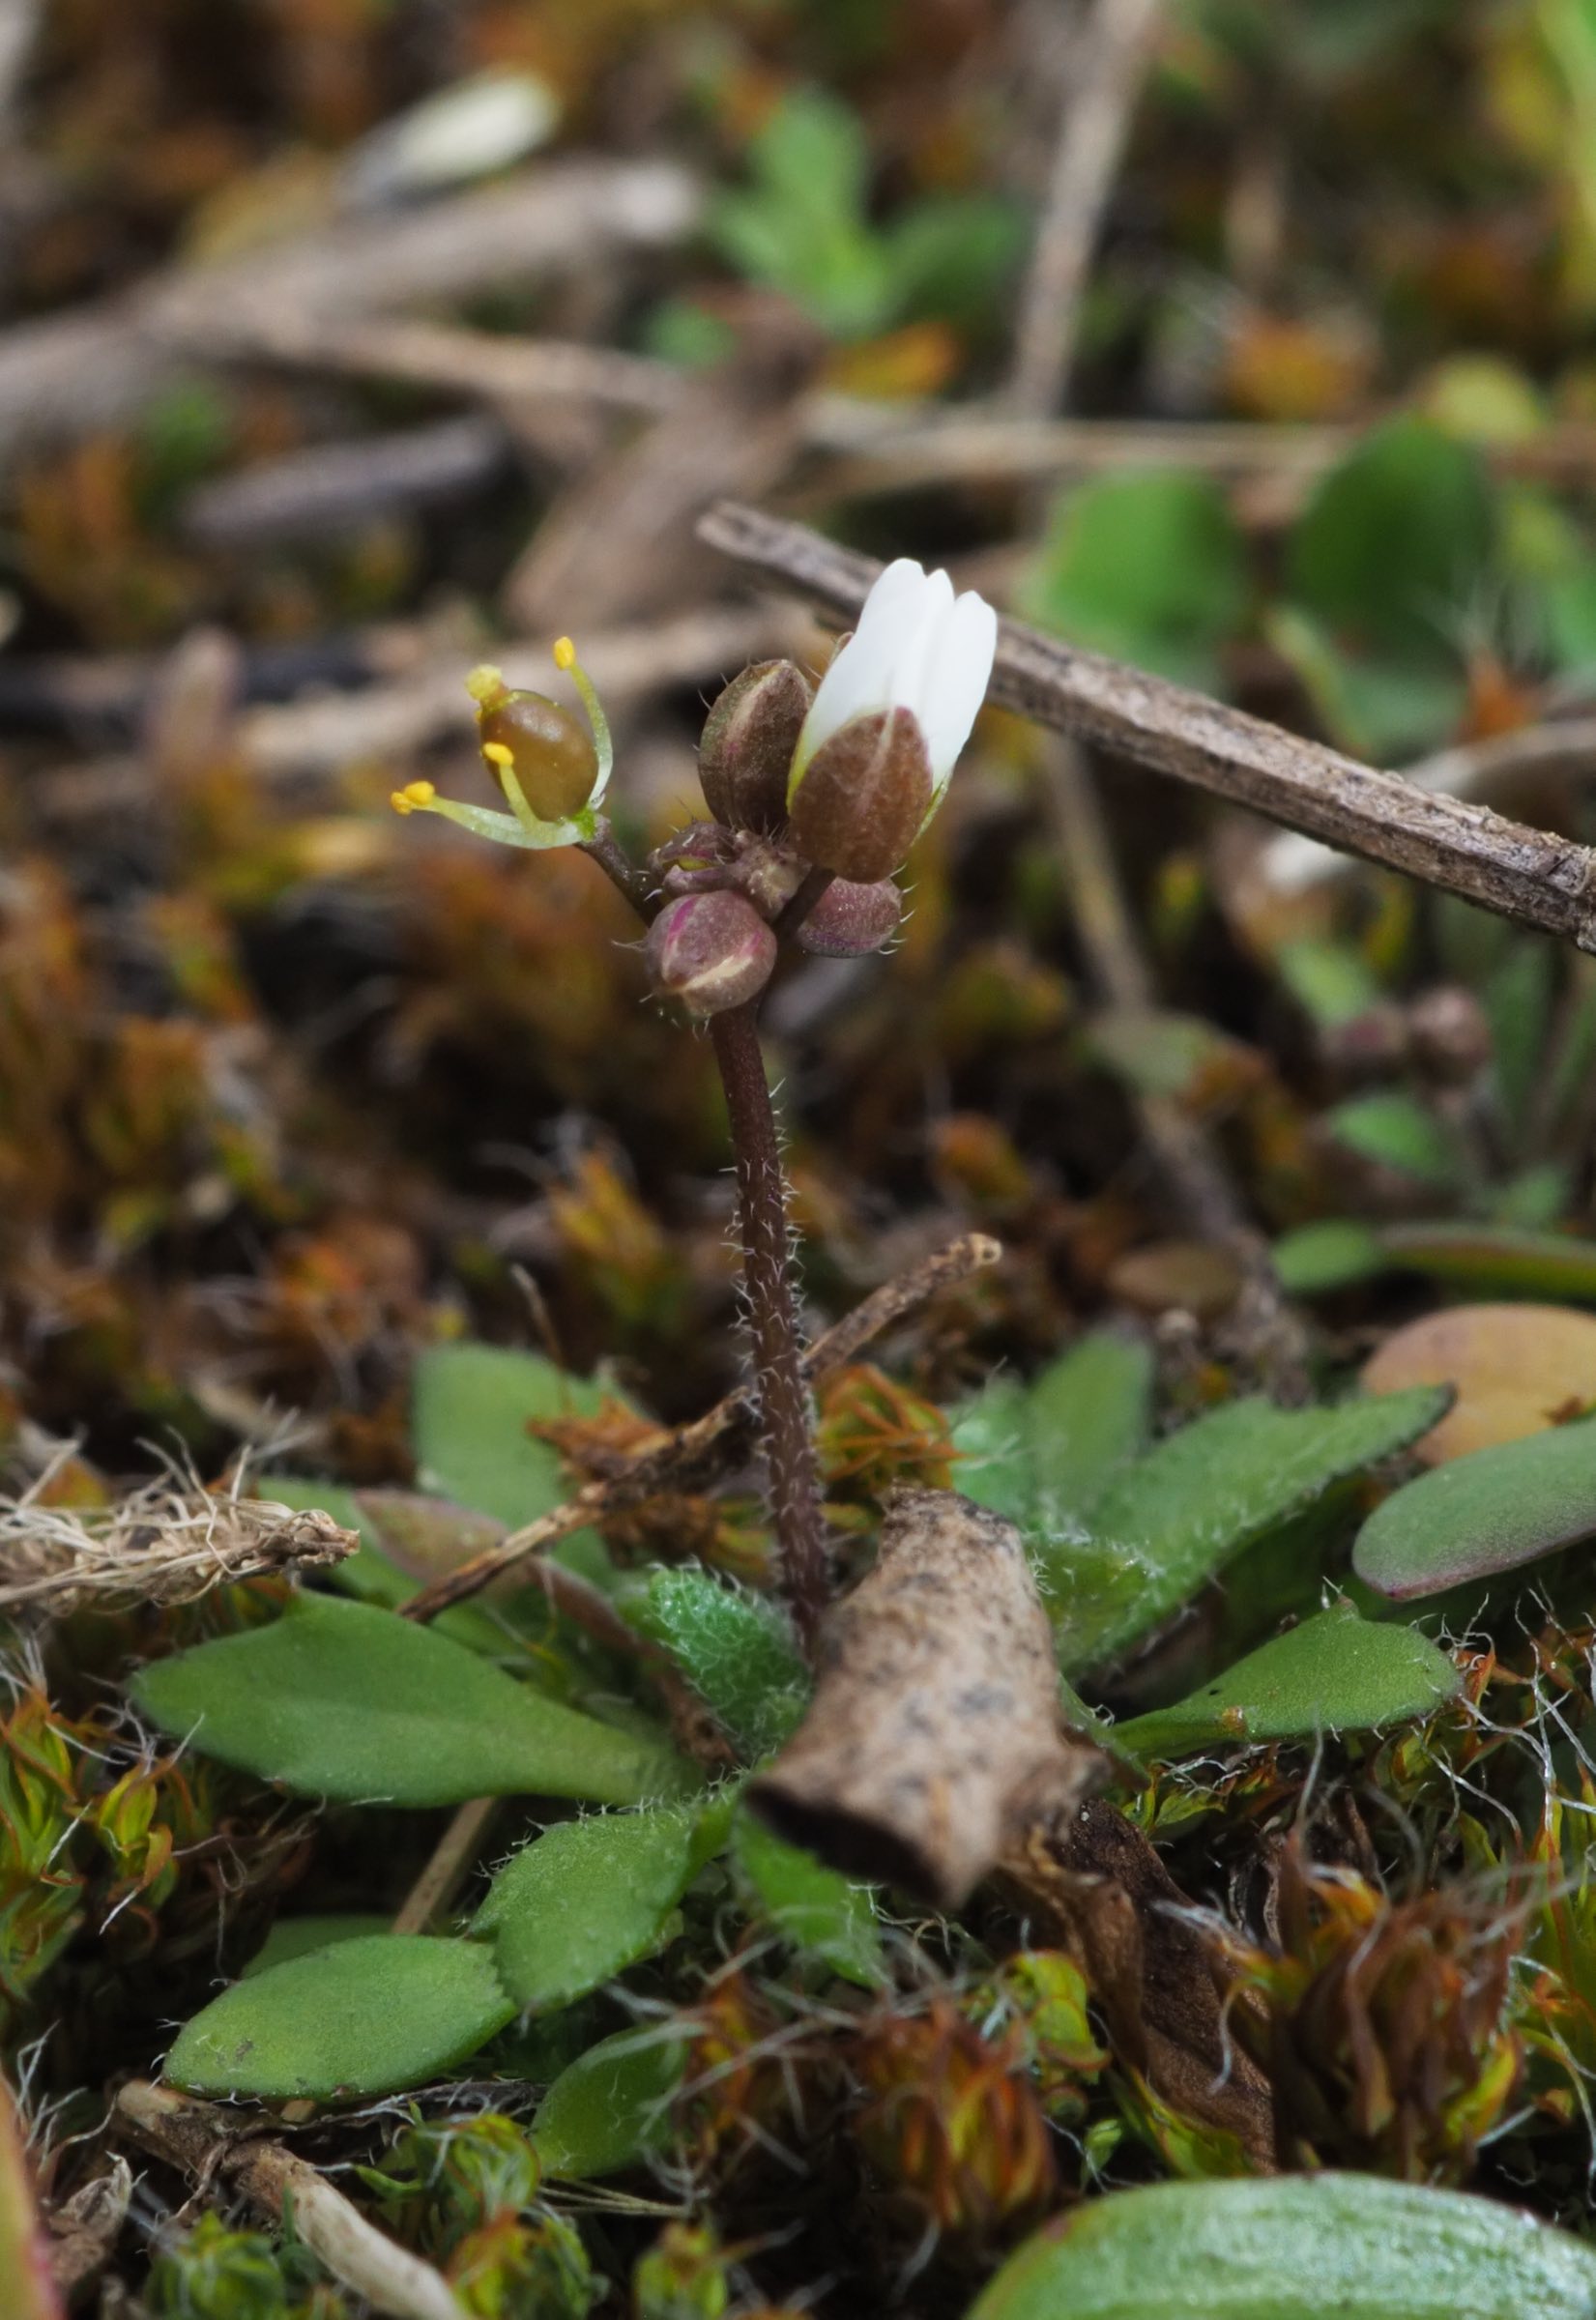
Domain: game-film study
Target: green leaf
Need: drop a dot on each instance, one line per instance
(1149, 568)
(811, 1906)
(1518, 1004)
(1384, 707)
(368, 1574)
(590, 1896)
(1500, 1258)
(952, 255)
(612, 2106)
(1397, 1131)
(1158, 1052)
(735, 1648)
(1328, 1255)
(1087, 1416)
(1044, 1454)
(1491, 1511)
(297, 1936)
(1172, 1521)
(800, 227)
(1533, 1200)
(1568, 603)
(1329, 981)
(469, 1406)
(1394, 541)
(1527, 1265)
(341, 1699)
(1295, 2247)
(992, 1436)
(1336, 1672)
(367, 2016)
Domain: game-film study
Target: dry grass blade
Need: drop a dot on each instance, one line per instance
(163, 1545)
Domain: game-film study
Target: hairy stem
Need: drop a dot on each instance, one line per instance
(779, 1386)
(623, 872)
(815, 883)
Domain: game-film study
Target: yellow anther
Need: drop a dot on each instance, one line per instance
(413, 794)
(485, 683)
(497, 754)
(565, 652)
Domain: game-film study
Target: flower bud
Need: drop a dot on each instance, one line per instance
(543, 745)
(711, 951)
(862, 796)
(849, 919)
(749, 736)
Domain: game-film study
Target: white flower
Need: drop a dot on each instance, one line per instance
(917, 647)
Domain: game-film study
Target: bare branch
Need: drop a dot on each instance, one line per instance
(204, 2139)
(933, 1738)
(161, 1545)
(95, 364)
(1562, 747)
(668, 1455)
(1105, 65)
(1529, 875)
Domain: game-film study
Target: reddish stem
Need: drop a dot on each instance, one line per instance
(792, 1468)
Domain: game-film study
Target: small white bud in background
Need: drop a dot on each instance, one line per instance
(481, 124)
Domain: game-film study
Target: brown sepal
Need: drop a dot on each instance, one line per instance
(863, 796)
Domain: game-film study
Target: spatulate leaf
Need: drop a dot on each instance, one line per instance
(611, 2106)
(1491, 1511)
(366, 2017)
(1295, 2247)
(1169, 1522)
(811, 1906)
(1335, 1673)
(590, 1896)
(1087, 1416)
(469, 1409)
(735, 1650)
(1044, 1453)
(341, 1699)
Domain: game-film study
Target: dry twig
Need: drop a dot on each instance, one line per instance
(1105, 65)
(163, 1545)
(1529, 875)
(94, 365)
(933, 1737)
(618, 541)
(333, 487)
(668, 1455)
(206, 2141)
(447, 1864)
(1561, 747)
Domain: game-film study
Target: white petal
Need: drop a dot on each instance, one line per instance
(959, 674)
(859, 679)
(917, 652)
